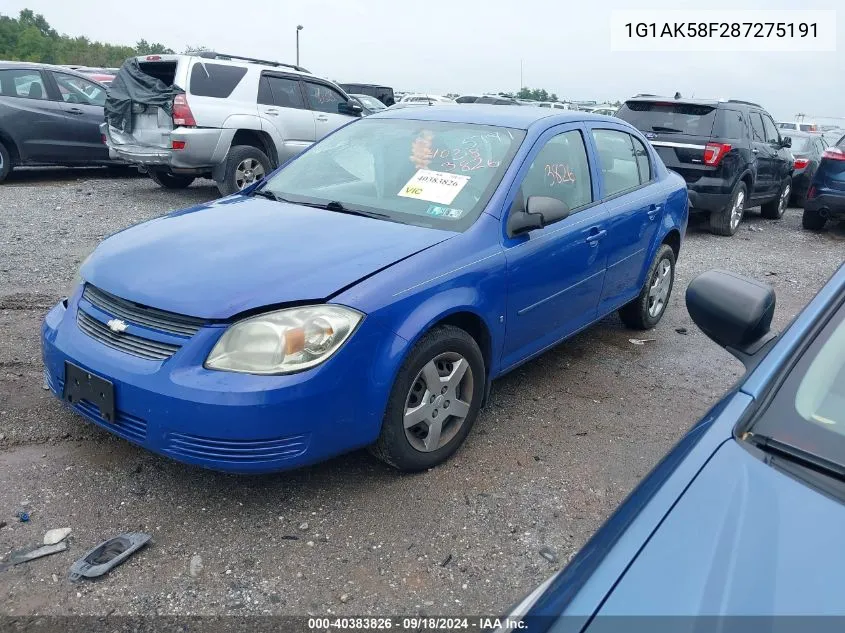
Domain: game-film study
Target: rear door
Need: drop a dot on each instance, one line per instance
(678, 131)
(284, 113)
(634, 209)
(34, 121)
(328, 105)
(82, 104)
(781, 157)
(764, 156)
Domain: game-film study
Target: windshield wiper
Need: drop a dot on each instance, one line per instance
(660, 128)
(266, 193)
(797, 455)
(338, 207)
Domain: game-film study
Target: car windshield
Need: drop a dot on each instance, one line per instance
(808, 411)
(427, 173)
(370, 102)
(671, 118)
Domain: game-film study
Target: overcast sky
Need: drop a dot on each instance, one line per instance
(467, 46)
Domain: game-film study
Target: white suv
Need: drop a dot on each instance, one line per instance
(231, 119)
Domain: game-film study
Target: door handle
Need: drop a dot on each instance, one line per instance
(322, 117)
(595, 236)
(754, 150)
(653, 210)
(75, 111)
(271, 112)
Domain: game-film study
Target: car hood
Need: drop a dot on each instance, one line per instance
(240, 253)
(744, 539)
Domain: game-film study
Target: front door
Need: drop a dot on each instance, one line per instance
(82, 104)
(328, 105)
(764, 154)
(554, 274)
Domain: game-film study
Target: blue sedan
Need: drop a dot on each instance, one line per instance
(745, 516)
(368, 292)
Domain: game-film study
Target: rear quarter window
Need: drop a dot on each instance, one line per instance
(730, 124)
(215, 80)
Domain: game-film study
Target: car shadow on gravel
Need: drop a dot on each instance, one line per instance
(45, 175)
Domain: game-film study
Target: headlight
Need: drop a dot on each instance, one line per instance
(285, 341)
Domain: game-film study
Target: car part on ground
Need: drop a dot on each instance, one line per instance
(107, 555)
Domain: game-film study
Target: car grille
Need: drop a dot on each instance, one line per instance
(152, 318)
(235, 451)
(129, 343)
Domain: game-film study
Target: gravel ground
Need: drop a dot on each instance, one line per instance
(565, 439)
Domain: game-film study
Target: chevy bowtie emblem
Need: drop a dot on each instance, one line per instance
(117, 325)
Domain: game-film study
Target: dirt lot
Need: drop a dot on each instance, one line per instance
(565, 439)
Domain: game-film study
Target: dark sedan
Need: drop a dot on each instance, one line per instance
(807, 150)
(49, 115)
(826, 195)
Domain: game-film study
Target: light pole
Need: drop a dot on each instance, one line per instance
(298, 29)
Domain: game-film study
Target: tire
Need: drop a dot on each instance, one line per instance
(5, 162)
(171, 181)
(438, 351)
(813, 220)
(726, 222)
(244, 165)
(775, 209)
(644, 312)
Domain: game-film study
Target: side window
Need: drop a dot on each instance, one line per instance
(561, 171)
(77, 90)
(215, 80)
(643, 162)
(22, 83)
(771, 131)
(758, 134)
(730, 124)
(324, 99)
(280, 91)
(617, 160)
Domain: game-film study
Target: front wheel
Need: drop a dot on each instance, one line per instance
(171, 181)
(5, 162)
(434, 401)
(644, 312)
(775, 209)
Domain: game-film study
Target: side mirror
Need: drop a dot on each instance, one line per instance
(734, 311)
(786, 141)
(350, 108)
(540, 211)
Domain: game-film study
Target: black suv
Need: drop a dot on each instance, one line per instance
(730, 153)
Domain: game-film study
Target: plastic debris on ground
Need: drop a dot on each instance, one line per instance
(31, 553)
(108, 555)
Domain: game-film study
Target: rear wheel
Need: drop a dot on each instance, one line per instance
(775, 209)
(644, 312)
(726, 222)
(434, 401)
(244, 165)
(5, 162)
(171, 181)
(813, 220)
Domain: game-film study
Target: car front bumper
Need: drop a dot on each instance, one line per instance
(227, 421)
(203, 149)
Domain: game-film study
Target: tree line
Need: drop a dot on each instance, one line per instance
(29, 37)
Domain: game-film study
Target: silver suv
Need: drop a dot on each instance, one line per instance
(228, 118)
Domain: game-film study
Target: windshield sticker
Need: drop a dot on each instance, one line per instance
(445, 212)
(434, 186)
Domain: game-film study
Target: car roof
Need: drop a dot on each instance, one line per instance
(11, 65)
(518, 117)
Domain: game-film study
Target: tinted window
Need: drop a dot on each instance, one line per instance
(730, 124)
(323, 98)
(757, 132)
(643, 162)
(617, 160)
(280, 91)
(215, 80)
(78, 90)
(808, 127)
(679, 118)
(802, 144)
(22, 83)
(466, 99)
(561, 171)
(788, 126)
(771, 131)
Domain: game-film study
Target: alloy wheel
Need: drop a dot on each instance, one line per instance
(658, 293)
(248, 171)
(438, 402)
(784, 199)
(737, 210)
